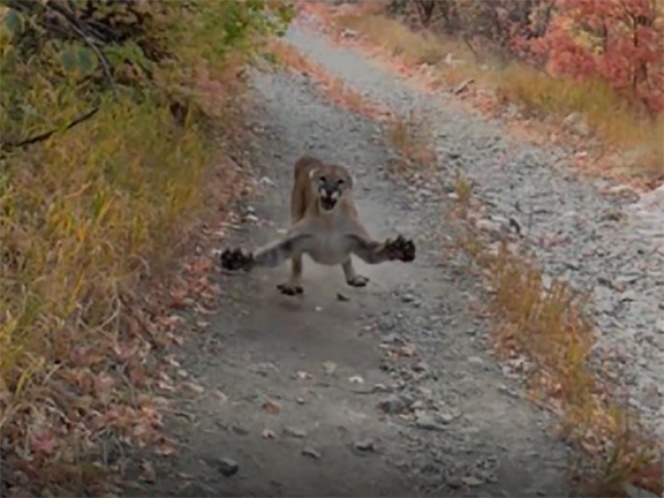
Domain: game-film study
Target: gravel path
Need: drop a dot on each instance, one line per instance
(605, 239)
(385, 391)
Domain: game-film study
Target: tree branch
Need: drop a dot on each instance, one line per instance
(5, 146)
(80, 31)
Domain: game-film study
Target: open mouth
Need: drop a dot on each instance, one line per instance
(328, 202)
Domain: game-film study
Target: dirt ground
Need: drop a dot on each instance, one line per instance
(378, 391)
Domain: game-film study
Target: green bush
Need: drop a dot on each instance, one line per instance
(104, 145)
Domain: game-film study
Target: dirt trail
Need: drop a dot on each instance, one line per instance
(407, 342)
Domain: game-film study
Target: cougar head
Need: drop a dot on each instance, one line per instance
(330, 182)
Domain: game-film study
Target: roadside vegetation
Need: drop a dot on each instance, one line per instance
(544, 331)
(590, 69)
(114, 122)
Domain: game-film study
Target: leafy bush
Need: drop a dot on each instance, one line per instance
(618, 42)
(104, 124)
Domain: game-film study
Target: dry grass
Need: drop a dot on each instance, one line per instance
(89, 219)
(618, 125)
(546, 334)
(396, 39)
(413, 137)
(80, 238)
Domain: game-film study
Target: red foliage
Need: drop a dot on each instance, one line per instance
(620, 42)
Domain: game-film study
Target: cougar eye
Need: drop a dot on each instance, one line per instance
(322, 179)
(340, 181)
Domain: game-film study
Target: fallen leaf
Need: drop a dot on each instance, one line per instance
(166, 447)
(329, 367)
(407, 350)
(149, 474)
(222, 397)
(166, 386)
(170, 360)
(271, 406)
(43, 443)
(196, 388)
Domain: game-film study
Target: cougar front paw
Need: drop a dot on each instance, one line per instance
(358, 281)
(235, 259)
(401, 249)
(290, 289)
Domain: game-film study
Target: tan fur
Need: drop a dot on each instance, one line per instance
(329, 235)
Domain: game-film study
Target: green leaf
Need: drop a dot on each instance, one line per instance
(13, 22)
(86, 61)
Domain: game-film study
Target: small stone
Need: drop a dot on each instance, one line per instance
(454, 482)
(629, 295)
(488, 225)
(342, 298)
(446, 417)
(228, 467)
(426, 421)
(635, 492)
(475, 360)
(407, 298)
(312, 453)
(425, 392)
(394, 404)
(268, 434)
(421, 366)
(418, 405)
(365, 445)
(356, 379)
(299, 400)
(295, 432)
(240, 431)
(659, 325)
(471, 481)
(348, 33)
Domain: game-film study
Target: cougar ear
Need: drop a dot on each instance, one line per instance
(312, 173)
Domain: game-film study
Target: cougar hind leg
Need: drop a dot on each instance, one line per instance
(353, 278)
(293, 286)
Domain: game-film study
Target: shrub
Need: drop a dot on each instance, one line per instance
(104, 121)
(619, 42)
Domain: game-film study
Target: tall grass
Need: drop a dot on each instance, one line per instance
(88, 212)
(79, 212)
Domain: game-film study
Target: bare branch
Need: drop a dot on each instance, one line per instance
(5, 146)
(89, 41)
